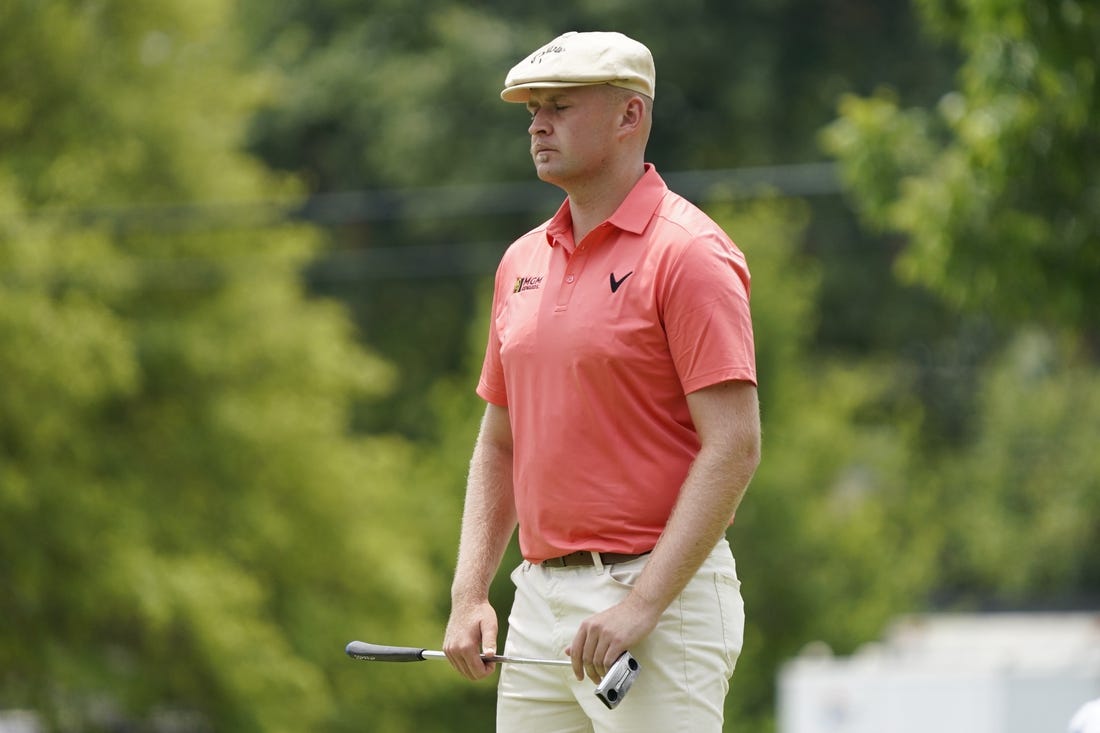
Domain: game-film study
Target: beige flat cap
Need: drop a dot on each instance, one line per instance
(583, 59)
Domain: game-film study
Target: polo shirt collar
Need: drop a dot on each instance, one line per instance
(632, 216)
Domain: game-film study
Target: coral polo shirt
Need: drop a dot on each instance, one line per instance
(592, 349)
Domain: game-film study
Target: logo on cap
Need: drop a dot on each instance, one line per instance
(536, 58)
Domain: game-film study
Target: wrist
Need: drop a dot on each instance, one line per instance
(644, 605)
(464, 596)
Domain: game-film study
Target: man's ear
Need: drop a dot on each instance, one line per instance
(633, 115)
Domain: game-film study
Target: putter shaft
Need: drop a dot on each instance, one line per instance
(611, 690)
(428, 653)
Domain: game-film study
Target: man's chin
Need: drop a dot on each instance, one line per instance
(546, 174)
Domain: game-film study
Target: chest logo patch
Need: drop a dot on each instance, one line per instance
(531, 282)
(616, 283)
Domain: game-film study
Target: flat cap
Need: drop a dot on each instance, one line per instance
(583, 59)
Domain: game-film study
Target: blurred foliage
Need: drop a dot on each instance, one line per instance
(993, 192)
(738, 83)
(225, 451)
(188, 529)
(1031, 479)
(997, 187)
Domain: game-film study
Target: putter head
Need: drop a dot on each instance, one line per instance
(616, 683)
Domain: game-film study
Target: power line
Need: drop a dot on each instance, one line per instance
(351, 207)
(342, 208)
(393, 262)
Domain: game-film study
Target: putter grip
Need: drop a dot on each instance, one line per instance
(380, 653)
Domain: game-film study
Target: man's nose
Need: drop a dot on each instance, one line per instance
(538, 123)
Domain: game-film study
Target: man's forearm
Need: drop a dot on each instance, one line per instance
(488, 520)
(707, 501)
(708, 498)
(728, 418)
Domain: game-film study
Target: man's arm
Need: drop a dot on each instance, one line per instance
(727, 419)
(488, 520)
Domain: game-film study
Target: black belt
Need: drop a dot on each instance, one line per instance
(582, 558)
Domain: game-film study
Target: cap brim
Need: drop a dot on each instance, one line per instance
(522, 92)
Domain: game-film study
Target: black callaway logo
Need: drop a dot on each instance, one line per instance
(616, 283)
(536, 57)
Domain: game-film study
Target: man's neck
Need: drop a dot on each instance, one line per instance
(592, 203)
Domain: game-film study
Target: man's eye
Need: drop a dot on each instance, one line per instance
(556, 108)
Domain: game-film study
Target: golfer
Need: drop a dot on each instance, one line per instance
(622, 425)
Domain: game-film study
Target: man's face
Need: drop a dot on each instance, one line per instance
(572, 131)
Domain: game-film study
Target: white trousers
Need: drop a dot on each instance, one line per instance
(685, 663)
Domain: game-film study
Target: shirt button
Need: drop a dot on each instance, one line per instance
(569, 278)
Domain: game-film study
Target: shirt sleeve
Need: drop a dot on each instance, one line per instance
(491, 384)
(706, 314)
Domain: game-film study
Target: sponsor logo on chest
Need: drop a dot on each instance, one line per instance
(531, 282)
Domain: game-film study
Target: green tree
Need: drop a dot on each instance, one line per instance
(996, 188)
(189, 532)
(405, 93)
(992, 196)
(1031, 479)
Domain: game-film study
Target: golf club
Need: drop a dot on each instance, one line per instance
(611, 690)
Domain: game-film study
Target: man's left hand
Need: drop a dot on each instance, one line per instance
(602, 638)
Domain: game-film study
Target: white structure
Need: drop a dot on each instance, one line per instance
(985, 673)
(18, 721)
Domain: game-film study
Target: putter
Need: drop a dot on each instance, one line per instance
(611, 690)
(616, 683)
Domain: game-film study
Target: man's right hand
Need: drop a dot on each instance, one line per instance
(471, 632)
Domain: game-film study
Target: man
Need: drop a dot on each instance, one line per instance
(622, 424)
